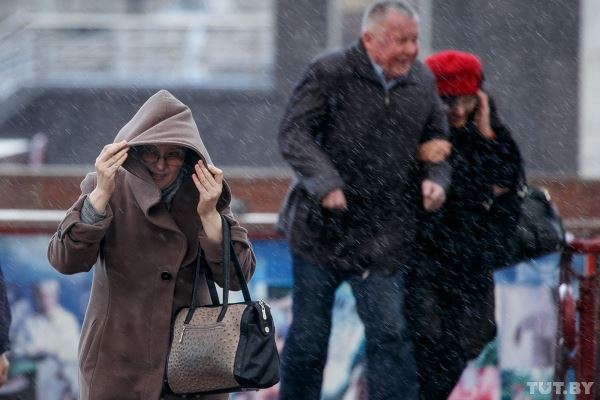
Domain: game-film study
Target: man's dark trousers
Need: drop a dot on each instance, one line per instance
(391, 371)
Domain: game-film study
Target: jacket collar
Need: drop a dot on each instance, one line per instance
(147, 195)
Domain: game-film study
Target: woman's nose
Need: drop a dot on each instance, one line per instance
(460, 110)
(160, 163)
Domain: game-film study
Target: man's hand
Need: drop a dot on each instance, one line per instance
(4, 364)
(334, 200)
(433, 195)
(434, 150)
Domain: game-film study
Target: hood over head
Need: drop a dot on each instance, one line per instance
(163, 119)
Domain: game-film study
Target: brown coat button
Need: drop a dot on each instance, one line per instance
(166, 276)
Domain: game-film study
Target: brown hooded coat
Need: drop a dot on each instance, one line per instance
(144, 257)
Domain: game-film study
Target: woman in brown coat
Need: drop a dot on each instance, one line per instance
(154, 200)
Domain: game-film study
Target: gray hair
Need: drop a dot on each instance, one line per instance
(378, 10)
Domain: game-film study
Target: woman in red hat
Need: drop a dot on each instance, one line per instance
(465, 240)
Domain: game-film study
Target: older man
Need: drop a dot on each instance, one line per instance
(353, 132)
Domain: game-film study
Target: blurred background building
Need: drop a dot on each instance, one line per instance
(73, 72)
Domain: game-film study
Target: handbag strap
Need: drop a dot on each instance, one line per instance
(212, 289)
(226, 266)
(228, 256)
(201, 265)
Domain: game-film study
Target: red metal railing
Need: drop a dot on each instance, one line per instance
(578, 337)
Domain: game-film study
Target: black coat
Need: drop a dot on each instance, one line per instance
(468, 236)
(450, 308)
(343, 129)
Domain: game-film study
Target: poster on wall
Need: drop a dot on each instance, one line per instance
(48, 309)
(522, 355)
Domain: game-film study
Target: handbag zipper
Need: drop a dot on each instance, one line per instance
(196, 328)
(263, 312)
(182, 332)
(262, 307)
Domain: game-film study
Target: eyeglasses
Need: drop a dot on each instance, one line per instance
(151, 155)
(466, 102)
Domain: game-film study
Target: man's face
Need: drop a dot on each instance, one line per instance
(393, 43)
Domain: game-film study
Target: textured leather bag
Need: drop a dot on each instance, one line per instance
(224, 347)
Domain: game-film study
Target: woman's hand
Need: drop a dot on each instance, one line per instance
(107, 163)
(482, 116)
(434, 150)
(209, 182)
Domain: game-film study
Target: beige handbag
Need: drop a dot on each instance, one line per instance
(224, 347)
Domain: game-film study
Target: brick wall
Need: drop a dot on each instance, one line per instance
(58, 192)
(263, 193)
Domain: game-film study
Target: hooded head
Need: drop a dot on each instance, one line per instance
(162, 132)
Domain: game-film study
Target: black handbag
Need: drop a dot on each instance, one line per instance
(539, 230)
(223, 347)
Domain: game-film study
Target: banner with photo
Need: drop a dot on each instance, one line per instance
(43, 356)
(527, 311)
(524, 349)
(45, 353)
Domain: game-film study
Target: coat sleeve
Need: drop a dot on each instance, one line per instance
(75, 245)
(242, 248)
(505, 162)
(5, 317)
(437, 128)
(304, 119)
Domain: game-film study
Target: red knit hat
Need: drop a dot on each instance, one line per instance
(458, 73)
